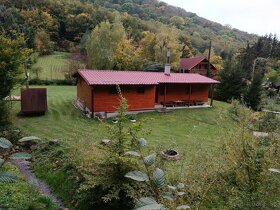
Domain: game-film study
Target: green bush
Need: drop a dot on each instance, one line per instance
(42, 203)
(4, 115)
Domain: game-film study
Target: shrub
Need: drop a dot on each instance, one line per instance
(244, 181)
(156, 187)
(4, 115)
(42, 203)
(269, 122)
(52, 82)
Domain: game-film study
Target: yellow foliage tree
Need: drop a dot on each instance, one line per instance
(215, 60)
(154, 45)
(40, 20)
(43, 43)
(127, 56)
(147, 45)
(167, 38)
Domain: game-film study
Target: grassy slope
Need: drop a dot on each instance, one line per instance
(189, 129)
(193, 132)
(21, 195)
(52, 65)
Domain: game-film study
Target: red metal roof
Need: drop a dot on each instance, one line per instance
(189, 63)
(109, 77)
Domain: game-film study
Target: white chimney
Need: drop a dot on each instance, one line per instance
(167, 69)
(167, 65)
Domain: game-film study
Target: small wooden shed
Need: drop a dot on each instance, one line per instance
(34, 100)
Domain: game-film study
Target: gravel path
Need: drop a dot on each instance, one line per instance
(24, 167)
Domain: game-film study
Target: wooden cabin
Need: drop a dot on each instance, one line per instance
(198, 64)
(96, 89)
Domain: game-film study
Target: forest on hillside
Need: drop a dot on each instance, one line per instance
(135, 35)
(60, 24)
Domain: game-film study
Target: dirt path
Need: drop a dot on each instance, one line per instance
(24, 167)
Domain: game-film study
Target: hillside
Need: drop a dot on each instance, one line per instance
(224, 38)
(65, 22)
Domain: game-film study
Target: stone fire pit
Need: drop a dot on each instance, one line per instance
(170, 154)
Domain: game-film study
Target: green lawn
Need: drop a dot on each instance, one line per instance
(52, 66)
(196, 133)
(188, 129)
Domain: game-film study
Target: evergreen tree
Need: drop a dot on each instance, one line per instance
(253, 96)
(232, 84)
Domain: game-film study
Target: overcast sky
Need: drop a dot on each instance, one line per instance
(254, 16)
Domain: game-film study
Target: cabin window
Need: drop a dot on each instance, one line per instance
(141, 90)
(113, 90)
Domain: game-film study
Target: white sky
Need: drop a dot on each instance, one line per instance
(254, 16)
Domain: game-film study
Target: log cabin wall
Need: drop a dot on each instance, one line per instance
(84, 92)
(139, 97)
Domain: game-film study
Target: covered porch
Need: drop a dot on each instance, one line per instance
(184, 95)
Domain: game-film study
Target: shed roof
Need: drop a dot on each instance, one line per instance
(109, 77)
(189, 63)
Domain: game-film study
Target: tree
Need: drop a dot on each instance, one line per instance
(115, 190)
(253, 97)
(127, 56)
(12, 56)
(177, 21)
(40, 20)
(103, 43)
(215, 59)
(71, 67)
(187, 47)
(147, 44)
(232, 84)
(168, 38)
(43, 43)
(84, 40)
(273, 76)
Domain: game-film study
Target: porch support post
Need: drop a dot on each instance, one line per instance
(212, 94)
(92, 103)
(164, 95)
(190, 90)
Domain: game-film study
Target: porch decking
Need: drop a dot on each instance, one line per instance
(158, 107)
(80, 105)
(203, 105)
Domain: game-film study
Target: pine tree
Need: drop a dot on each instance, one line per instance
(232, 85)
(253, 96)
